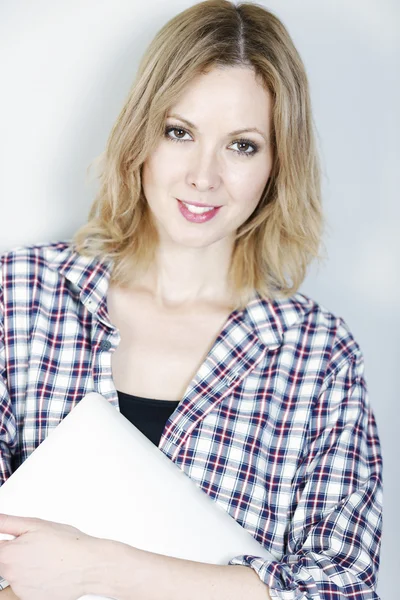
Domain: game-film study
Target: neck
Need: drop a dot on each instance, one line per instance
(183, 277)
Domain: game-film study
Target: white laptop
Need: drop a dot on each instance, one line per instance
(98, 472)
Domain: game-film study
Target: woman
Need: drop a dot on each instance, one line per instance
(207, 217)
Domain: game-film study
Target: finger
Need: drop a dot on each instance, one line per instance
(6, 537)
(9, 524)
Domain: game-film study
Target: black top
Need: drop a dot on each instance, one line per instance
(147, 414)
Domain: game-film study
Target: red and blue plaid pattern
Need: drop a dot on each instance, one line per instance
(276, 425)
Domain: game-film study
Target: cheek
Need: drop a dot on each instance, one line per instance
(247, 185)
(160, 169)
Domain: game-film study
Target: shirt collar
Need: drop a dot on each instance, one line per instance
(269, 319)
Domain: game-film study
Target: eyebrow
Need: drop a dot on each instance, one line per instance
(232, 133)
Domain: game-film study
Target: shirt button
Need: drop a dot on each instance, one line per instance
(105, 345)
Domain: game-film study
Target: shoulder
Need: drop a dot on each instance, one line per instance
(52, 260)
(50, 273)
(22, 267)
(302, 326)
(24, 270)
(41, 255)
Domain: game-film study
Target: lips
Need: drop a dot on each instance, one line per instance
(201, 217)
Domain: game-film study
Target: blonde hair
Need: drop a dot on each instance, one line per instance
(278, 241)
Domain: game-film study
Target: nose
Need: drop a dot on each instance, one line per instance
(203, 171)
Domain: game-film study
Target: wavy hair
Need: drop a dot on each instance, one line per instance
(274, 247)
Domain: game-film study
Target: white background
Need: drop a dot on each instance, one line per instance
(66, 70)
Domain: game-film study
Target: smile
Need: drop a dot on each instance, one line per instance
(197, 209)
(197, 214)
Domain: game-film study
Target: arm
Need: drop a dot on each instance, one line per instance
(333, 540)
(127, 572)
(74, 564)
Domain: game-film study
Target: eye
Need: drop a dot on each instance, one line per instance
(179, 136)
(174, 129)
(253, 147)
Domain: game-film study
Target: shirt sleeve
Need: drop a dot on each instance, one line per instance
(8, 431)
(334, 533)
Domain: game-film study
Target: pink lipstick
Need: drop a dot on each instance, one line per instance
(197, 217)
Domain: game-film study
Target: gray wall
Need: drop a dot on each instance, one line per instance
(68, 68)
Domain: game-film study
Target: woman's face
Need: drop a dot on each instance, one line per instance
(203, 160)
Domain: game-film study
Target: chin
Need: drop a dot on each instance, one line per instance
(197, 239)
(194, 242)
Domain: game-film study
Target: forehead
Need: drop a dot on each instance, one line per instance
(229, 94)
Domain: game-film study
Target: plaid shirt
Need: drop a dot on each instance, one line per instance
(276, 425)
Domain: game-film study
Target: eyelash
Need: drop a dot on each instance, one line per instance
(241, 141)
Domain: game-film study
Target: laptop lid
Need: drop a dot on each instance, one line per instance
(98, 472)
